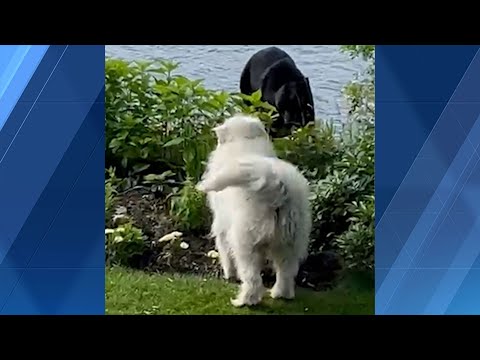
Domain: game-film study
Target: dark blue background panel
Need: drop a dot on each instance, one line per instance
(52, 180)
(427, 180)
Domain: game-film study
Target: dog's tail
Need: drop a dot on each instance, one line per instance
(252, 173)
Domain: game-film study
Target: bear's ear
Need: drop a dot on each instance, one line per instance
(221, 131)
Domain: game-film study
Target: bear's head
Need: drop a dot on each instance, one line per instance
(294, 103)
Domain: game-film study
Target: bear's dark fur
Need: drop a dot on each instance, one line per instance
(283, 86)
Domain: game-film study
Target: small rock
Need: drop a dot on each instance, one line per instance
(184, 245)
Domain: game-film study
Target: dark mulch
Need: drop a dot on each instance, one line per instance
(149, 213)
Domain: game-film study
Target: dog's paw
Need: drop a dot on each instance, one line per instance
(279, 293)
(249, 297)
(240, 302)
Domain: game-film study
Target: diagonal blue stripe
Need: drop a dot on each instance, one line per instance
(8, 279)
(413, 220)
(411, 81)
(454, 277)
(16, 206)
(85, 250)
(424, 227)
(465, 301)
(51, 284)
(438, 249)
(24, 281)
(29, 94)
(54, 194)
(11, 57)
(469, 198)
(6, 54)
(442, 116)
(31, 107)
(16, 75)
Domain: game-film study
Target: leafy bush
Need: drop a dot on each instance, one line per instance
(358, 165)
(188, 208)
(157, 118)
(122, 243)
(111, 194)
(357, 243)
(313, 149)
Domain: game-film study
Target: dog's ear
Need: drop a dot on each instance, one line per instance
(221, 131)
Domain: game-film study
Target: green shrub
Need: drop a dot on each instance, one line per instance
(157, 118)
(313, 149)
(122, 243)
(189, 209)
(357, 167)
(111, 196)
(357, 243)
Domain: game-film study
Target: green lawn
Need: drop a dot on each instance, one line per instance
(131, 292)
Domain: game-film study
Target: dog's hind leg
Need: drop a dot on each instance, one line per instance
(286, 269)
(226, 259)
(249, 266)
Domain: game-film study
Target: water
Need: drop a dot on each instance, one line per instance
(328, 69)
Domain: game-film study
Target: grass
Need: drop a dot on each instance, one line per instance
(130, 292)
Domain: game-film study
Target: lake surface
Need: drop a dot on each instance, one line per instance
(328, 69)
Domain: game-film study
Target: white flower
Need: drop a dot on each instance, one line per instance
(212, 254)
(121, 210)
(172, 236)
(184, 245)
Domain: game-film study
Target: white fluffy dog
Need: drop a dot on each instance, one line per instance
(260, 209)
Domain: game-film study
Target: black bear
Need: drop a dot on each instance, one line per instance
(283, 86)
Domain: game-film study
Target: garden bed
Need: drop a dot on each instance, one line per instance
(149, 212)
